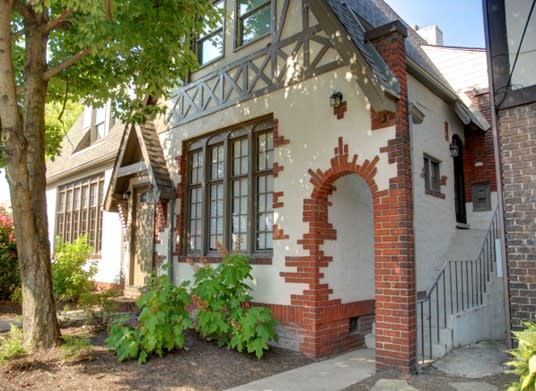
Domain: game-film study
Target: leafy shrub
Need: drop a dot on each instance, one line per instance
(12, 347)
(224, 313)
(72, 270)
(9, 265)
(101, 309)
(162, 322)
(524, 358)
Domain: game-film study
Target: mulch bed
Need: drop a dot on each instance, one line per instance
(202, 366)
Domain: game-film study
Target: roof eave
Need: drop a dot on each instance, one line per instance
(379, 97)
(447, 94)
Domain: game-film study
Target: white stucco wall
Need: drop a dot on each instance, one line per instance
(307, 120)
(109, 262)
(352, 216)
(434, 218)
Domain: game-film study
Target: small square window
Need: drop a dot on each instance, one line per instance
(254, 20)
(432, 174)
(209, 46)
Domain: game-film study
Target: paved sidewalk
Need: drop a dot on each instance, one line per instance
(328, 375)
(469, 362)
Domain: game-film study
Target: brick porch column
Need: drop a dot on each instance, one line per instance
(394, 241)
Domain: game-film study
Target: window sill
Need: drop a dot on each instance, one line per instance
(434, 193)
(248, 43)
(255, 260)
(208, 63)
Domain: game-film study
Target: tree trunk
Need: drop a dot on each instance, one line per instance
(23, 150)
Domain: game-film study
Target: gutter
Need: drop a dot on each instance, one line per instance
(93, 164)
(498, 175)
(171, 242)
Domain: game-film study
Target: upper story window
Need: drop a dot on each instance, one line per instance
(254, 20)
(96, 125)
(229, 191)
(79, 210)
(99, 122)
(209, 46)
(432, 174)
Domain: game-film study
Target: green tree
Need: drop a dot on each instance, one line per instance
(79, 50)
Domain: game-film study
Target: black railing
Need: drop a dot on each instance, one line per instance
(460, 286)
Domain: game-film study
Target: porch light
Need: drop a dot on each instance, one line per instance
(335, 99)
(454, 150)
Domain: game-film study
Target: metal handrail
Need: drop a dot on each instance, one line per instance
(459, 286)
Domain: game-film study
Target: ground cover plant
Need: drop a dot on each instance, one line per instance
(224, 313)
(524, 358)
(162, 321)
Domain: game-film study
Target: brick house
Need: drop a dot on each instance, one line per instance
(510, 34)
(321, 137)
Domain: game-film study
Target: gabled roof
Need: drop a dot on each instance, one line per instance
(347, 34)
(71, 162)
(141, 156)
(359, 16)
(376, 13)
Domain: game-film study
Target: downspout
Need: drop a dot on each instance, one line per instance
(498, 176)
(171, 242)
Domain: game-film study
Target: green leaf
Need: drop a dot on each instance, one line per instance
(532, 365)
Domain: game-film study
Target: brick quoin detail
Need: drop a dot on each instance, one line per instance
(279, 140)
(278, 233)
(276, 203)
(325, 322)
(340, 110)
(396, 332)
(276, 169)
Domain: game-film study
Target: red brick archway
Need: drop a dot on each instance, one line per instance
(326, 321)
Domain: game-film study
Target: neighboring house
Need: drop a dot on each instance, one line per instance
(77, 180)
(320, 138)
(511, 38)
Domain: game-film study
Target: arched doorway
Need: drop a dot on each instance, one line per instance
(351, 273)
(459, 185)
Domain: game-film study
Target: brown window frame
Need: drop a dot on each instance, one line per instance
(432, 174)
(210, 34)
(240, 42)
(79, 213)
(244, 179)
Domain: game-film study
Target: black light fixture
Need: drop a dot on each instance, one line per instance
(454, 150)
(335, 99)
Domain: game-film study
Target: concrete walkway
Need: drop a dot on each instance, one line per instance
(328, 375)
(471, 362)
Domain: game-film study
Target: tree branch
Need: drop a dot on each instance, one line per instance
(67, 63)
(54, 23)
(23, 9)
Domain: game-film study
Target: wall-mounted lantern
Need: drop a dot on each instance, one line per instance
(335, 99)
(454, 150)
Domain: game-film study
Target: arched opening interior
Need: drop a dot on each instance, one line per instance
(350, 275)
(459, 187)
